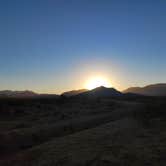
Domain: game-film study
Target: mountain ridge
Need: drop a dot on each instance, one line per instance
(149, 90)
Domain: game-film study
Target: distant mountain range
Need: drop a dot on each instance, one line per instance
(25, 94)
(9, 93)
(150, 90)
(74, 92)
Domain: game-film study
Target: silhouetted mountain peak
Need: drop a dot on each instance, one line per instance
(101, 92)
(100, 88)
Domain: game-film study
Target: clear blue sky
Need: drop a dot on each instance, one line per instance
(55, 45)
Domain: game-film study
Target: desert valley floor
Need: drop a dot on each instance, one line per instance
(115, 131)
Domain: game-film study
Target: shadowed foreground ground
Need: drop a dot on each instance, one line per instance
(85, 132)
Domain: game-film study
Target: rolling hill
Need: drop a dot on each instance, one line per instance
(74, 92)
(150, 90)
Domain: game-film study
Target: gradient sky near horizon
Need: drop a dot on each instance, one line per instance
(50, 46)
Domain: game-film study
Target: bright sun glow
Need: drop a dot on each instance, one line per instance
(96, 82)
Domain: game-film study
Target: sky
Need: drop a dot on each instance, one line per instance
(51, 46)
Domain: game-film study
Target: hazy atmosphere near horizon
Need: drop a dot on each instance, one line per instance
(51, 46)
